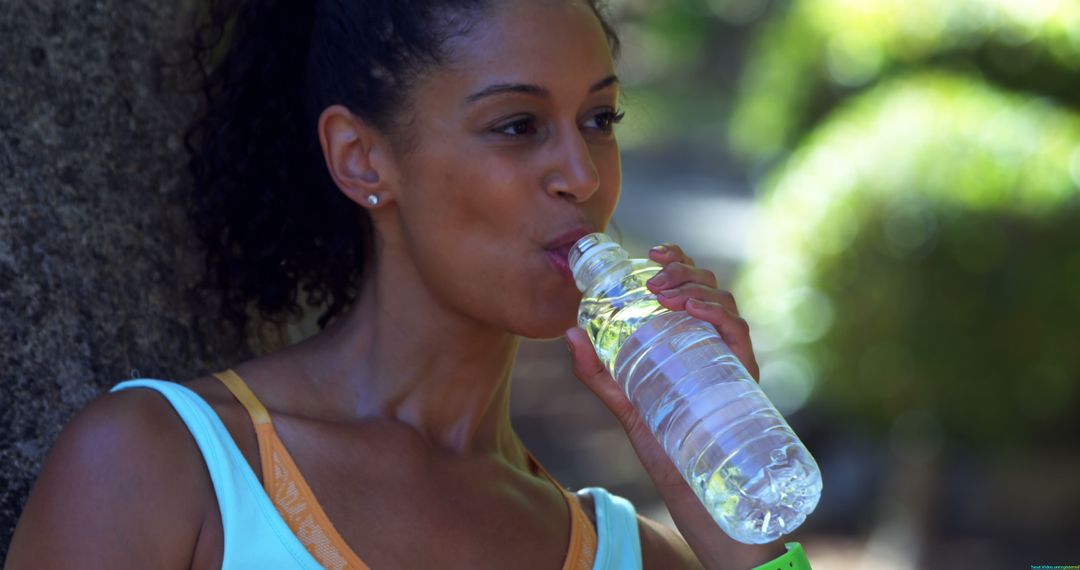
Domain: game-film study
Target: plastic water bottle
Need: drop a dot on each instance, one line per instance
(729, 442)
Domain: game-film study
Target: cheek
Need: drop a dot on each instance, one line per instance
(600, 207)
(450, 199)
(470, 225)
(465, 225)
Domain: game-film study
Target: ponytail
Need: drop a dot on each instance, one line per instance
(263, 205)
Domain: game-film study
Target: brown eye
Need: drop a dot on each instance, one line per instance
(606, 121)
(520, 127)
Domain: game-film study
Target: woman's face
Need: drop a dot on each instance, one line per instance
(513, 149)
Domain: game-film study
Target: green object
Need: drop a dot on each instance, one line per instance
(812, 56)
(793, 559)
(916, 262)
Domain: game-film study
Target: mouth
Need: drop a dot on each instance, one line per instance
(564, 251)
(558, 249)
(561, 263)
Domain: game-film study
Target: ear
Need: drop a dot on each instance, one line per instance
(357, 155)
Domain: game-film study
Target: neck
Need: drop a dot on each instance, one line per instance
(401, 355)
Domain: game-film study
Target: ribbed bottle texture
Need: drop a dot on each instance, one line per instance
(729, 442)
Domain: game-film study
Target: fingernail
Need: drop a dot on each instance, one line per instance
(660, 249)
(659, 280)
(668, 293)
(695, 303)
(569, 346)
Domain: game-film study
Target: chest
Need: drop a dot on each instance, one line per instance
(396, 509)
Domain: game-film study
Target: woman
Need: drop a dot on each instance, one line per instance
(421, 167)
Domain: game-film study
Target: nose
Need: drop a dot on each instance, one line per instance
(572, 173)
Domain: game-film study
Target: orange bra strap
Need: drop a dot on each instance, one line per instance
(264, 428)
(545, 473)
(236, 385)
(583, 540)
(582, 548)
(290, 493)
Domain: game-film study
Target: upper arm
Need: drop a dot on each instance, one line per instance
(122, 487)
(662, 547)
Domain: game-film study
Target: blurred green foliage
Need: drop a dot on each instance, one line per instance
(815, 54)
(678, 64)
(918, 249)
(921, 250)
(917, 252)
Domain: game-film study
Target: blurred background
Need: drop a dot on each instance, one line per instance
(891, 188)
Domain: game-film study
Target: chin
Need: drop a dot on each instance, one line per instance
(553, 334)
(548, 327)
(553, 310)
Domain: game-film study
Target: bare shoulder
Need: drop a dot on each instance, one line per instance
(123, 485)
(662, 547)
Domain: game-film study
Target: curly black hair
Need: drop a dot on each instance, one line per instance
(263, 204)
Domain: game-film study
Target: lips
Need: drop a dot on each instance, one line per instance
(561, 264)
(558, 248)
(563, 241)
(564, 251)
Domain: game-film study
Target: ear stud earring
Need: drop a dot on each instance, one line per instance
(373, 200)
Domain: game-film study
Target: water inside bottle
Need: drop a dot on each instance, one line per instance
(731, 445)
(611, 316)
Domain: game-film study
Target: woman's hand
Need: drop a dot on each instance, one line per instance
(679, 286)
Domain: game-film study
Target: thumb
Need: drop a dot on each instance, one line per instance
(592, 372)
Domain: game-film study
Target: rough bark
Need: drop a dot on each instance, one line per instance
(96, 259)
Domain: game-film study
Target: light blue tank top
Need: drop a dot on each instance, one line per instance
(257, 537)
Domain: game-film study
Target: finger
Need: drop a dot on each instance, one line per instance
(669, 252)
(675, 298)
(734, 330)
(677, 273)
(592, 372)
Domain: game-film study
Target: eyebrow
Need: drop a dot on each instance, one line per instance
(532, 89)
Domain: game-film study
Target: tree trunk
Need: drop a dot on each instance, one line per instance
(96, 259)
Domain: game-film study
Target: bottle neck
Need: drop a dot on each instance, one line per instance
(607, 264)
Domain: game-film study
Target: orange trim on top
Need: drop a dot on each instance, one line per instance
(581, 552)
(290, 493)
(297, 505)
